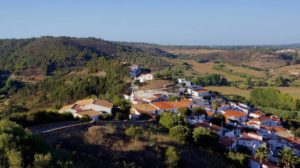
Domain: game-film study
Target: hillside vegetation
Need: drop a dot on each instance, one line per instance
(48, 54)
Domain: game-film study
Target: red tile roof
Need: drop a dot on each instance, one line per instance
(163, 105)
(234, 113)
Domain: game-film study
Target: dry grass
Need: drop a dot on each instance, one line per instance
(84, 72)
(252, 72)
(230, 90)
(207, 68)
(286, 69)
(134, 145)
(156, 84)
(192, 51)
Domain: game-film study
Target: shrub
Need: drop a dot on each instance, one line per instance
(205, 138)
(106, 116)
(180, 133)
(134, 132)
(169, 120)
(238, 160)
(172, 157)
(218, 119)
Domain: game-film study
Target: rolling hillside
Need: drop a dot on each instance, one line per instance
(47, 54)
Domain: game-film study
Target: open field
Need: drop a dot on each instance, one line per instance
(192, 51)
(286, 70)
(293, 91)
(252, 72)
(207, 68)
(156, 84)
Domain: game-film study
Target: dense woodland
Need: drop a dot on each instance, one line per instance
(65, 53)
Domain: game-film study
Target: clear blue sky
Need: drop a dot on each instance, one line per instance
(188, 22)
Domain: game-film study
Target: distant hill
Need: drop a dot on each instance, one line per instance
(256, 56)
(47, 54)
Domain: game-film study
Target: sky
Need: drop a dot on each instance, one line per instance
(177, 22)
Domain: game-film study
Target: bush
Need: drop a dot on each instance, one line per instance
(238, 160)
(134, 132)
(218, 119)
(205, 138)
(180, 133)
(106, 116)
(40, 117)
(172, 157)
(169, 120)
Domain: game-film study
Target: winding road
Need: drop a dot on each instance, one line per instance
(60, 126)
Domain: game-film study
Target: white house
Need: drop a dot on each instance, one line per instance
(200, 93)
(251, 143)
(264, 121)
(145, 77)
(99, 105)
(256, 114)
(90, 107)
(185, 82)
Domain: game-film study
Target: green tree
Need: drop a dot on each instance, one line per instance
(261, 153)
(42, 161)
(180, 133)
(198, 111)
(288, 158)
(215, 105)
(184, 111)
(172, 157)
(205, 138)
(169, 120)
(270, 97)
(218, 119)
(238, 160)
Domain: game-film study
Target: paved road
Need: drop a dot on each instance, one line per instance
(56, 127)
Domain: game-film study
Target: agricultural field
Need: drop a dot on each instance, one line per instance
(293, 91)
(156, 84)
(192, 52)
(286, 70)
(208, 68)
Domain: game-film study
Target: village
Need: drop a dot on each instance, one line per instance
(245, 127)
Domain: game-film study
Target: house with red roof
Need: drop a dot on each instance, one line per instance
(164, 106)
(234, 115)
